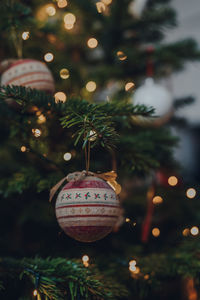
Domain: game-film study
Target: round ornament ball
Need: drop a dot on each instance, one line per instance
(29, 73)
(157, 96)
(87, 209)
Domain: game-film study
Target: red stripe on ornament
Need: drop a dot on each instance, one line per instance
(86, 184)
(34, 81)
(29, 74)
(86, 216)
(87, 205)
(23, 61)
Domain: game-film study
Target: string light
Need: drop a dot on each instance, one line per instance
(69, 18)
(50, 10)
(172, 180)
(121, 55)
(85, 260)
(107, 2)
(62, 3)
(69, 26)
(92, 136)
(36, 132)
(92, 43)
(146, 277)
(91, 86)
(60, 97)
(132, 268)
(100, 7)
(67, 156)
(41, 119)
(134, 223)
(194, 230)
(127, 220)
(25, 35)
(64, 73)
(191, 193)
(186, 232)
(35, 292)
(23, 148)
(157, 200)
(48, 57)
(129, 86)
(132, 262)
(155, 232)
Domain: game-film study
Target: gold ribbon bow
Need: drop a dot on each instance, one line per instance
(109, 177)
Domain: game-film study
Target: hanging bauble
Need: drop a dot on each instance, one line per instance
(87, 209)
(154, 95)
(29, 73)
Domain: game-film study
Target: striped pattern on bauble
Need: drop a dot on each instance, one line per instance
(87, 210)
(29, 73)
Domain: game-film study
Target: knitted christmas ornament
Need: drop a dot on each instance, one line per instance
(87, 209)
(29, 73)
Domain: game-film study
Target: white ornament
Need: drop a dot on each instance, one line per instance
(136, 7)
(157, 96)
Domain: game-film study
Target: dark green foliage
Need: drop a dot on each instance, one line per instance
(59, 278)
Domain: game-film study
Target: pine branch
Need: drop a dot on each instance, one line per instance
(58, 278)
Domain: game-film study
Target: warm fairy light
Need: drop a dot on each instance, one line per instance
(25, 35)
(69, 26)
(186, 232)
(48, 57)
(69, 18)
(92, 43)
(36, 132)
(35, 292)
(85, 258)
(41, 119)
(127, 220)
(156, 232)
(191, 193)
(132, 262)
(107, 2)
(60, 97)
(121, 55)
(50, 10)
(62, 3)
(92, 136)
(129, 86)
(194, 230)
(100, 7)
(67, 156)
(157, 200)
(91, 86)
(146, 277)
(137, 271)
(64, 73)
(172, 180)
(23, 148)
(132, 268)
(134, 223)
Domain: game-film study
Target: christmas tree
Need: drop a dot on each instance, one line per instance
(73, 98)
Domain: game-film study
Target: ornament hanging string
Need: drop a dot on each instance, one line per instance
(109, 177)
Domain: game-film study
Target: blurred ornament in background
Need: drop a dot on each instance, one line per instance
(154, 95)
(136, 7)
(29, 73)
